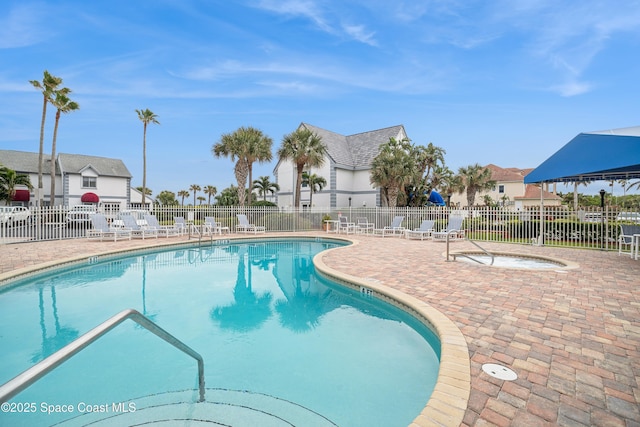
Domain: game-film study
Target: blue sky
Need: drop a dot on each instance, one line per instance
(503, 81)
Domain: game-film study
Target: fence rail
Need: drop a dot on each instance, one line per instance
(554, 226)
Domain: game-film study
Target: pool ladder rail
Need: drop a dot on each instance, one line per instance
(469, 256)
(33, 374)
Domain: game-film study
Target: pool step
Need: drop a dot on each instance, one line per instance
(222, 407)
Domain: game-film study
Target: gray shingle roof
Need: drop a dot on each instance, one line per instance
(26, 162)
(356, 151)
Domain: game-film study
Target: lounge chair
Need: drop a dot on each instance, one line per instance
(345, 226)
(453, 229)
(101, 229)
(425, 231)
(212, 226)
(162, 230)
(395, 229)
(137, 231)
(180, 224)
(364, 226)
(625, 238)
(245, 227)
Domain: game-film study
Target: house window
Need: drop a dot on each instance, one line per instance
(89, 182)
(501, 189)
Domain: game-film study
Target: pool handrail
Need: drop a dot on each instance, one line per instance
(467, 255)
(42, 368)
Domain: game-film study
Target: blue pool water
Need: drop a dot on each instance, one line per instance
(263, 320)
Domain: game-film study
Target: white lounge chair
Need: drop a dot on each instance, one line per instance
(364, 226)
(137, 231)
(162, 230)
(101, 229)
(425, 231)
(453, 229)
(180, 224)
(625, 238)
(395, 229)
(245, 227)
(212, 226)
(345, 226)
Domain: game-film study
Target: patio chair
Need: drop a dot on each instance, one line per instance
(180, 224)
(345, 226)
(212, 226)
(625, 238)
(137, 231)
(364, 226)
(395, 229)
(101, 229)
(164, 230)
(453, 229)
(425, 231)
(245, 227)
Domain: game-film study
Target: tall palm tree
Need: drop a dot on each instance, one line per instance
(146, 116)
(244, 146)
(476, 178)
(9, 179)
(210, 191)
(305, 149)
(315, 182)
(195, 188)
(48, 86)
(183, 194)
(392, 169)
(63, 105)
(264, 186)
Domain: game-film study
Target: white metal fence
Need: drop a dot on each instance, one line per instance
(595, 228)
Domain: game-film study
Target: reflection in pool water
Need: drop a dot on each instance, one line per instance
(258, 313)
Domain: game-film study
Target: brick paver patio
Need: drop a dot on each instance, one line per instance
(572, 336)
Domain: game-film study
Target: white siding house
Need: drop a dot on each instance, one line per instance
(346, 169)
(79, 179)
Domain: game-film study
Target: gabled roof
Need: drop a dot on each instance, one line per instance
(75, 163)
(356, 150)
(507, 174)
(533, 192)
(594, 156)
(26, 162)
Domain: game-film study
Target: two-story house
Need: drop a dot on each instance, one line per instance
(346, 169)
(80, 179)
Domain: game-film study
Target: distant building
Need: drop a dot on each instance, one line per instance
(510, 190)
(346, 169)
(80, 179)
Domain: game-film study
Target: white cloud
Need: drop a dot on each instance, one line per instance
(23, 26)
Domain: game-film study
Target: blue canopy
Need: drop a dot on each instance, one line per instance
(595, 156)
(436, 199)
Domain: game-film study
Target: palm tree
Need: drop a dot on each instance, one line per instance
(210, 191)
(63, 105)
(147, 191)
(247, 145)
(146, 116)
(201, 199)
(195, 188)
(48, 87)
(305, 149)
(264, 186)
(183, 194)
(315, 182)
(476, 178)
(392, 169)
(9, 179)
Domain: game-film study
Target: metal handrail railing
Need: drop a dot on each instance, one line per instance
(33, 374)
(467, 255)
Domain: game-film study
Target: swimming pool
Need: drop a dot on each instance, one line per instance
(268, 326)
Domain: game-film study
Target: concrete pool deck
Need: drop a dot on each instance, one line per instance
(572, 336)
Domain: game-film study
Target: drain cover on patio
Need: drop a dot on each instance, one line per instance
(499, 371)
